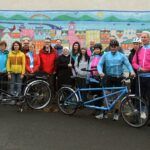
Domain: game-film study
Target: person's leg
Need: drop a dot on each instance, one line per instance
(18, 84)
(12, 84)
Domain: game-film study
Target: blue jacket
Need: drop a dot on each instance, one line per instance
(114, 64)
(3, 60)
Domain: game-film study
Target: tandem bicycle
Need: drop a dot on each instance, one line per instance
(133, 109)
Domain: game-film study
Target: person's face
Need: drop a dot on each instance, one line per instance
(58, 42)
(47, 48)
(47, 42)
(16, 46)
(92, 43)
(83, 51)
(136, 46)
(97, 51)
(145, 38)
(26, 44)
(3, 47)
(113, 48)
(76, 46)
(31, 48)
(65, 51)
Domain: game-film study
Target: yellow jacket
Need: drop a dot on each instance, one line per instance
(16, 62)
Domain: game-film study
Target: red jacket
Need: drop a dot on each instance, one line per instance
(36, 66)
(48, 61)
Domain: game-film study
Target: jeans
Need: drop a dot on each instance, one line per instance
(15, 84)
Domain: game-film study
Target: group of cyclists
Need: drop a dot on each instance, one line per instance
(60, 63)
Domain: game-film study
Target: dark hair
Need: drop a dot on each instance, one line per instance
(48, 38)
(73, 50)
(87, 58)
(51, 48)
(3, 43)
(20, 46)
(113, 43)
(98, 45)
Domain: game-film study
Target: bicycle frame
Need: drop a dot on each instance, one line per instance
(120, 91)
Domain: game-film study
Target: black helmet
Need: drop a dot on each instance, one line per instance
(113, 43)
(98, 45)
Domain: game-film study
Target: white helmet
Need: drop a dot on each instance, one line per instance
(136, 40)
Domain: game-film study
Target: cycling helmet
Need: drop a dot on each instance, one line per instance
(98, 45)
(113, 43)
(136, 40)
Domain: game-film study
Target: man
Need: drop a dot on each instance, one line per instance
(108, 48)
(48, 58)
(141, 63)
(25, 45)
(114, 61)
(58, 47)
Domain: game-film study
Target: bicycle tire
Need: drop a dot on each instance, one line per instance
(134, 111)
(67, 100)
(38, 94)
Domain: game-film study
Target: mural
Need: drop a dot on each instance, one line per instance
(71, 26)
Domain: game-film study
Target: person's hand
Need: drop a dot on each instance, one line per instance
(144, 70)
(132, 74)
(9, 76)
(22, 76)
(69, 65)
(102, 75)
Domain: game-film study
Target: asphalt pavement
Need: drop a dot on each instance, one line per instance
(38, 130)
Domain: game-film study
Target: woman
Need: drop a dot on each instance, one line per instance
(82, 61)
(32, 60)
(64, 67)
(75, 50)
(16, 68)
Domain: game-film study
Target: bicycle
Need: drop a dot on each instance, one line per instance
(36, 93)
(133, 109)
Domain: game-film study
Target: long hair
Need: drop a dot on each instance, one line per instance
(87, 58)
(73, 50)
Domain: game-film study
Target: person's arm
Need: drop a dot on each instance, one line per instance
(135, 64)
(37, 64)
(100, 64)
(23, 65)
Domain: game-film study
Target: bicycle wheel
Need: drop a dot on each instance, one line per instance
(67, 100)
(134, 111)
(38, 94)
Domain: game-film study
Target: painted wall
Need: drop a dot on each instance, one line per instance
(121, 18)
(76, 4)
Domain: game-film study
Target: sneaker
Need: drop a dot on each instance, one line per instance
(116, 117)
(105, 115)
(100, 116)
(143, 115)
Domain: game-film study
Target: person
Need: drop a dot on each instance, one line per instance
(94, 59)
(32, 60)
(136, 47)
(25, 46)
(82, 62)
(141, 63)
(75, 50)
(64, 67)
(16, 68)
(48, 58)
(91, 48)
(3, 60)
(114, 61)
(58, 47)
(107, 49)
